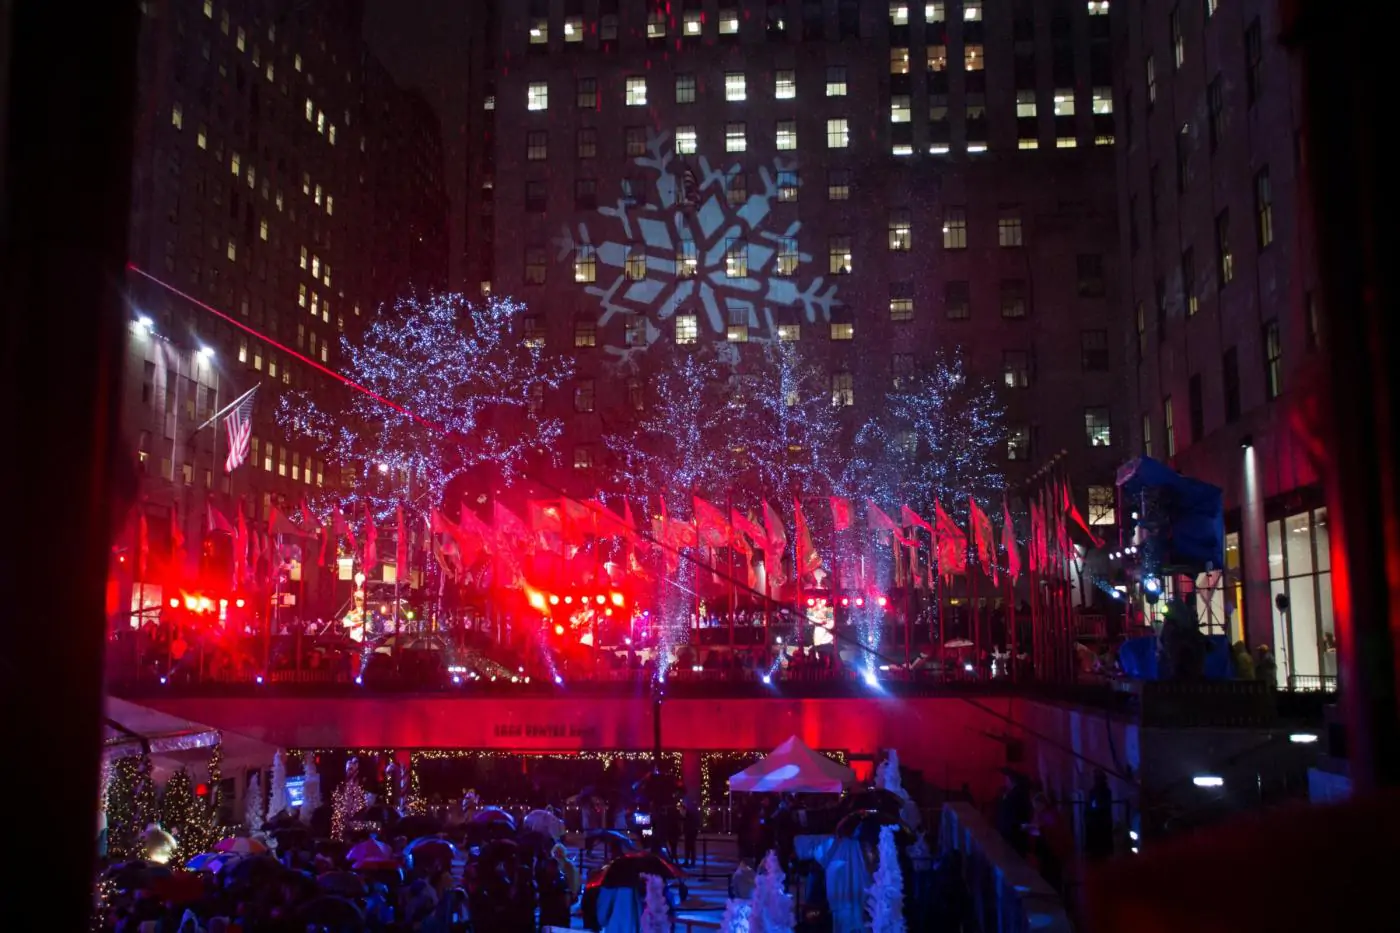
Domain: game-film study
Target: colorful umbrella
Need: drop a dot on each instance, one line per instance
(242, 845)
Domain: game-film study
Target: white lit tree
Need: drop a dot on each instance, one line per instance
(311, 798)
(737, 917)
(253, 813)
(772, 905)
(463, 388)
(941, 433)
(788, 427)
(885, 900)
(656, 913)
(277, 787)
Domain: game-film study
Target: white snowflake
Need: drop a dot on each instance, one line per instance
(659, 224)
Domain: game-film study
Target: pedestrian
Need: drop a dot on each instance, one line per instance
(691, 828)
(1098, 818)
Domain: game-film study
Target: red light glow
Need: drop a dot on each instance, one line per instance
(883, 601)
(811, 601)
(602, 599)
(174, 603)
(559, 630)
(617, 599)
(238, 603)
(845, 600)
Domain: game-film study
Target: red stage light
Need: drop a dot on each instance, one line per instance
(536, 600)
(201, 790)
(238, 603)
(617, 599)
(811, 602)
(190, 603)
(559, 630)
(602, 599)
(174, 603)
(568, 600)
(223, 604)
(553, 599)
(883, 602)
(845, 600)
(860, 600)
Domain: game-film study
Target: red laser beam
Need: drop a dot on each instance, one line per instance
(389, 403)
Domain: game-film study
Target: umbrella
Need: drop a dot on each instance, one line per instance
(181, 887)
(255, 869)
(877, 798)
(243, 845)
(342, 883)
(419, 824)
(377, 863)
(488, 815)
(334, 912)
(543, 821)
(864, 826)
(133, 876)
(627, 869)
(430, 850)
(212, 861)
(615, 843)
(368, 849)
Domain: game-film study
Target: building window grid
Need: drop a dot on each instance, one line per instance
(901, 231)
(838, 133)
(785, 85)
(735, 86)
(1016, 369)
(1009, 227)
(788, 257)
(836, 81)
(839, 255)
(1273, 360)
(735, 137)
(786, 135)
(636, 92)
(1098, 429)
(955, 228)
(1224, 258)
(685, 89)
(1263, 208)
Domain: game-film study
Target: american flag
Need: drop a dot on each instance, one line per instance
(239, 423)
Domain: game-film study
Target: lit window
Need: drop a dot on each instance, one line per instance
(838, 253)
(586, 332)
(1009, 227)
(1178, 40)
(836, 81)
(787, 185)
(1169, 424)
(937, 58)
(635, 266)
(787, 134)
(1147, 435)
(1025, 103)
(485, 288)
(972, 10)
(201, 138)
(785, 85)
(687, 328)
(787, 256)
(585, 263)
(955, 228)
(1103, 100)
(321, 122)
(737, 329)
(296, 61)
(232, 250)
(208, 9)
(899, 108)
(789, 333)
(1102, 504)
(838, 184)
(687, 257)
(636, 92)
(1098, 430)
(1103, 140)
(901, 231)
(972, 58)
(1224, 259)
(310, 110)
(685, 89)
(235, 164)
(735, 139)
(728, 22)
(538, 95)
(301, 296)
(838, 133)
(737, 191)
(1100, 7)
(536, 265)
(1016, 369)
(635, 333)
(656, 24)
(736, 258)
(317, 195)
(899, 14)
(1066, 142)
(1064, 102)
(1188, 281)
(899, 61)
(1273, 360)
(1018, 442)
(539, 31)
(262, 229)
(693, 23)
(934, 12)
(583, 457)
(685, 140)
(537, 145)
(843, 389)
(573, 29)
(735, 88)
(177, 118)
(315, 267)
(1151, 82)
(532, 331)
(330, 204)
(1263, 208)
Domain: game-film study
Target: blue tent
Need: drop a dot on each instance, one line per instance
(1192, 519)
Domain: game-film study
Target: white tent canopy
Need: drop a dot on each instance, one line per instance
(793, 768)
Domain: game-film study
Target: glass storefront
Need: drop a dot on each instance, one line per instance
(1300, 571)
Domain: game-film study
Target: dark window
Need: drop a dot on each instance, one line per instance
(588, 93)
(635, 140)
(537, 145)
(1091, 280)
(956, 300)
(1183, 158)
(583, 395)
(1224, 259)
(1133, 224)
(1230, 380)
(1254, 60)
(536, 264)
(1198, 408)
(587, 143)
(1013, 298)
(1161, 291)
(1188, 281)
(1093, 350)
(586, 335)
(1263, 208)
(535, 197)
(1154, 177)
(1215, 107)
(1016, 369)
(1273, 360)
(585, 194)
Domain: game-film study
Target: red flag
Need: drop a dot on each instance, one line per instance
(840, 513)
(143, 547)
(215, 521)
(746, 526)
(400, 546)
(774, 547)
(473, 536)
(371, 542)
(177, 542)
(908, 517)
(808, 559)
(580, 521)
(511, 532)
(710, 526)
(240, 548)
(342, 527)
(278, 524)
(255, 556)
(1008, 541)
(952, 543)
(876, 519)
(985, 536)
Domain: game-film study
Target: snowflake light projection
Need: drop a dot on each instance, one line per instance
(687, 247)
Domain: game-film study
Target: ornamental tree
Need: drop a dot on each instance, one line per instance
(788, 426)
(464, 394)
(885, 900)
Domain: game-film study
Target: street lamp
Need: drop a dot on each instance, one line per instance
(206, 353)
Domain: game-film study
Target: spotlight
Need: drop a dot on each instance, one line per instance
(553, 599)
(258, 678)
(779, 639)
(206, 353)
(811, 601)
(860, 600)
(1208, 780)
(559, 630)
(568, 600)
(870, 680)
(383, 468)
(238, 603)
(617, 599)
(1247, 442)
(559, 679)
(767, 678)
(174, 603)
(162, 678)
(883, 601)
(601, 599)
(1152, 585)
(845, 600)
(144, 322)
(1133, 835)
(359, 679)
(1303, 738)
(627, 640)
(457, 678)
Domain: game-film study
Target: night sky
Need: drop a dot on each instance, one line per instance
(423, 43)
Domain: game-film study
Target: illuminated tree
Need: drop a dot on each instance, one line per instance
(131, 805)
(310, 790)
(772, 905)
(190, 819)
(253, 813)
(462, 370)
(789, 429)
(939, 434)
(886, 898)
(277, 787)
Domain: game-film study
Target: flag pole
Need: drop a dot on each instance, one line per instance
(729, 562)
(226, 409)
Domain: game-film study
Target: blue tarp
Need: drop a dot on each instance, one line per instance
(1195, 523)
(1138, 658)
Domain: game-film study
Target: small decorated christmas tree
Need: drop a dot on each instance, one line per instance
(310, 790)
(349, 799)
(125, 822)
(277, 788)
(886, 897)
(186, 816)
(736, 917)
(656, 913)
(253, 814)
(772, 905)
(887, 775)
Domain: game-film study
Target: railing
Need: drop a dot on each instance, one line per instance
(1325, 683)
(1228, 704)
(1008, 895)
